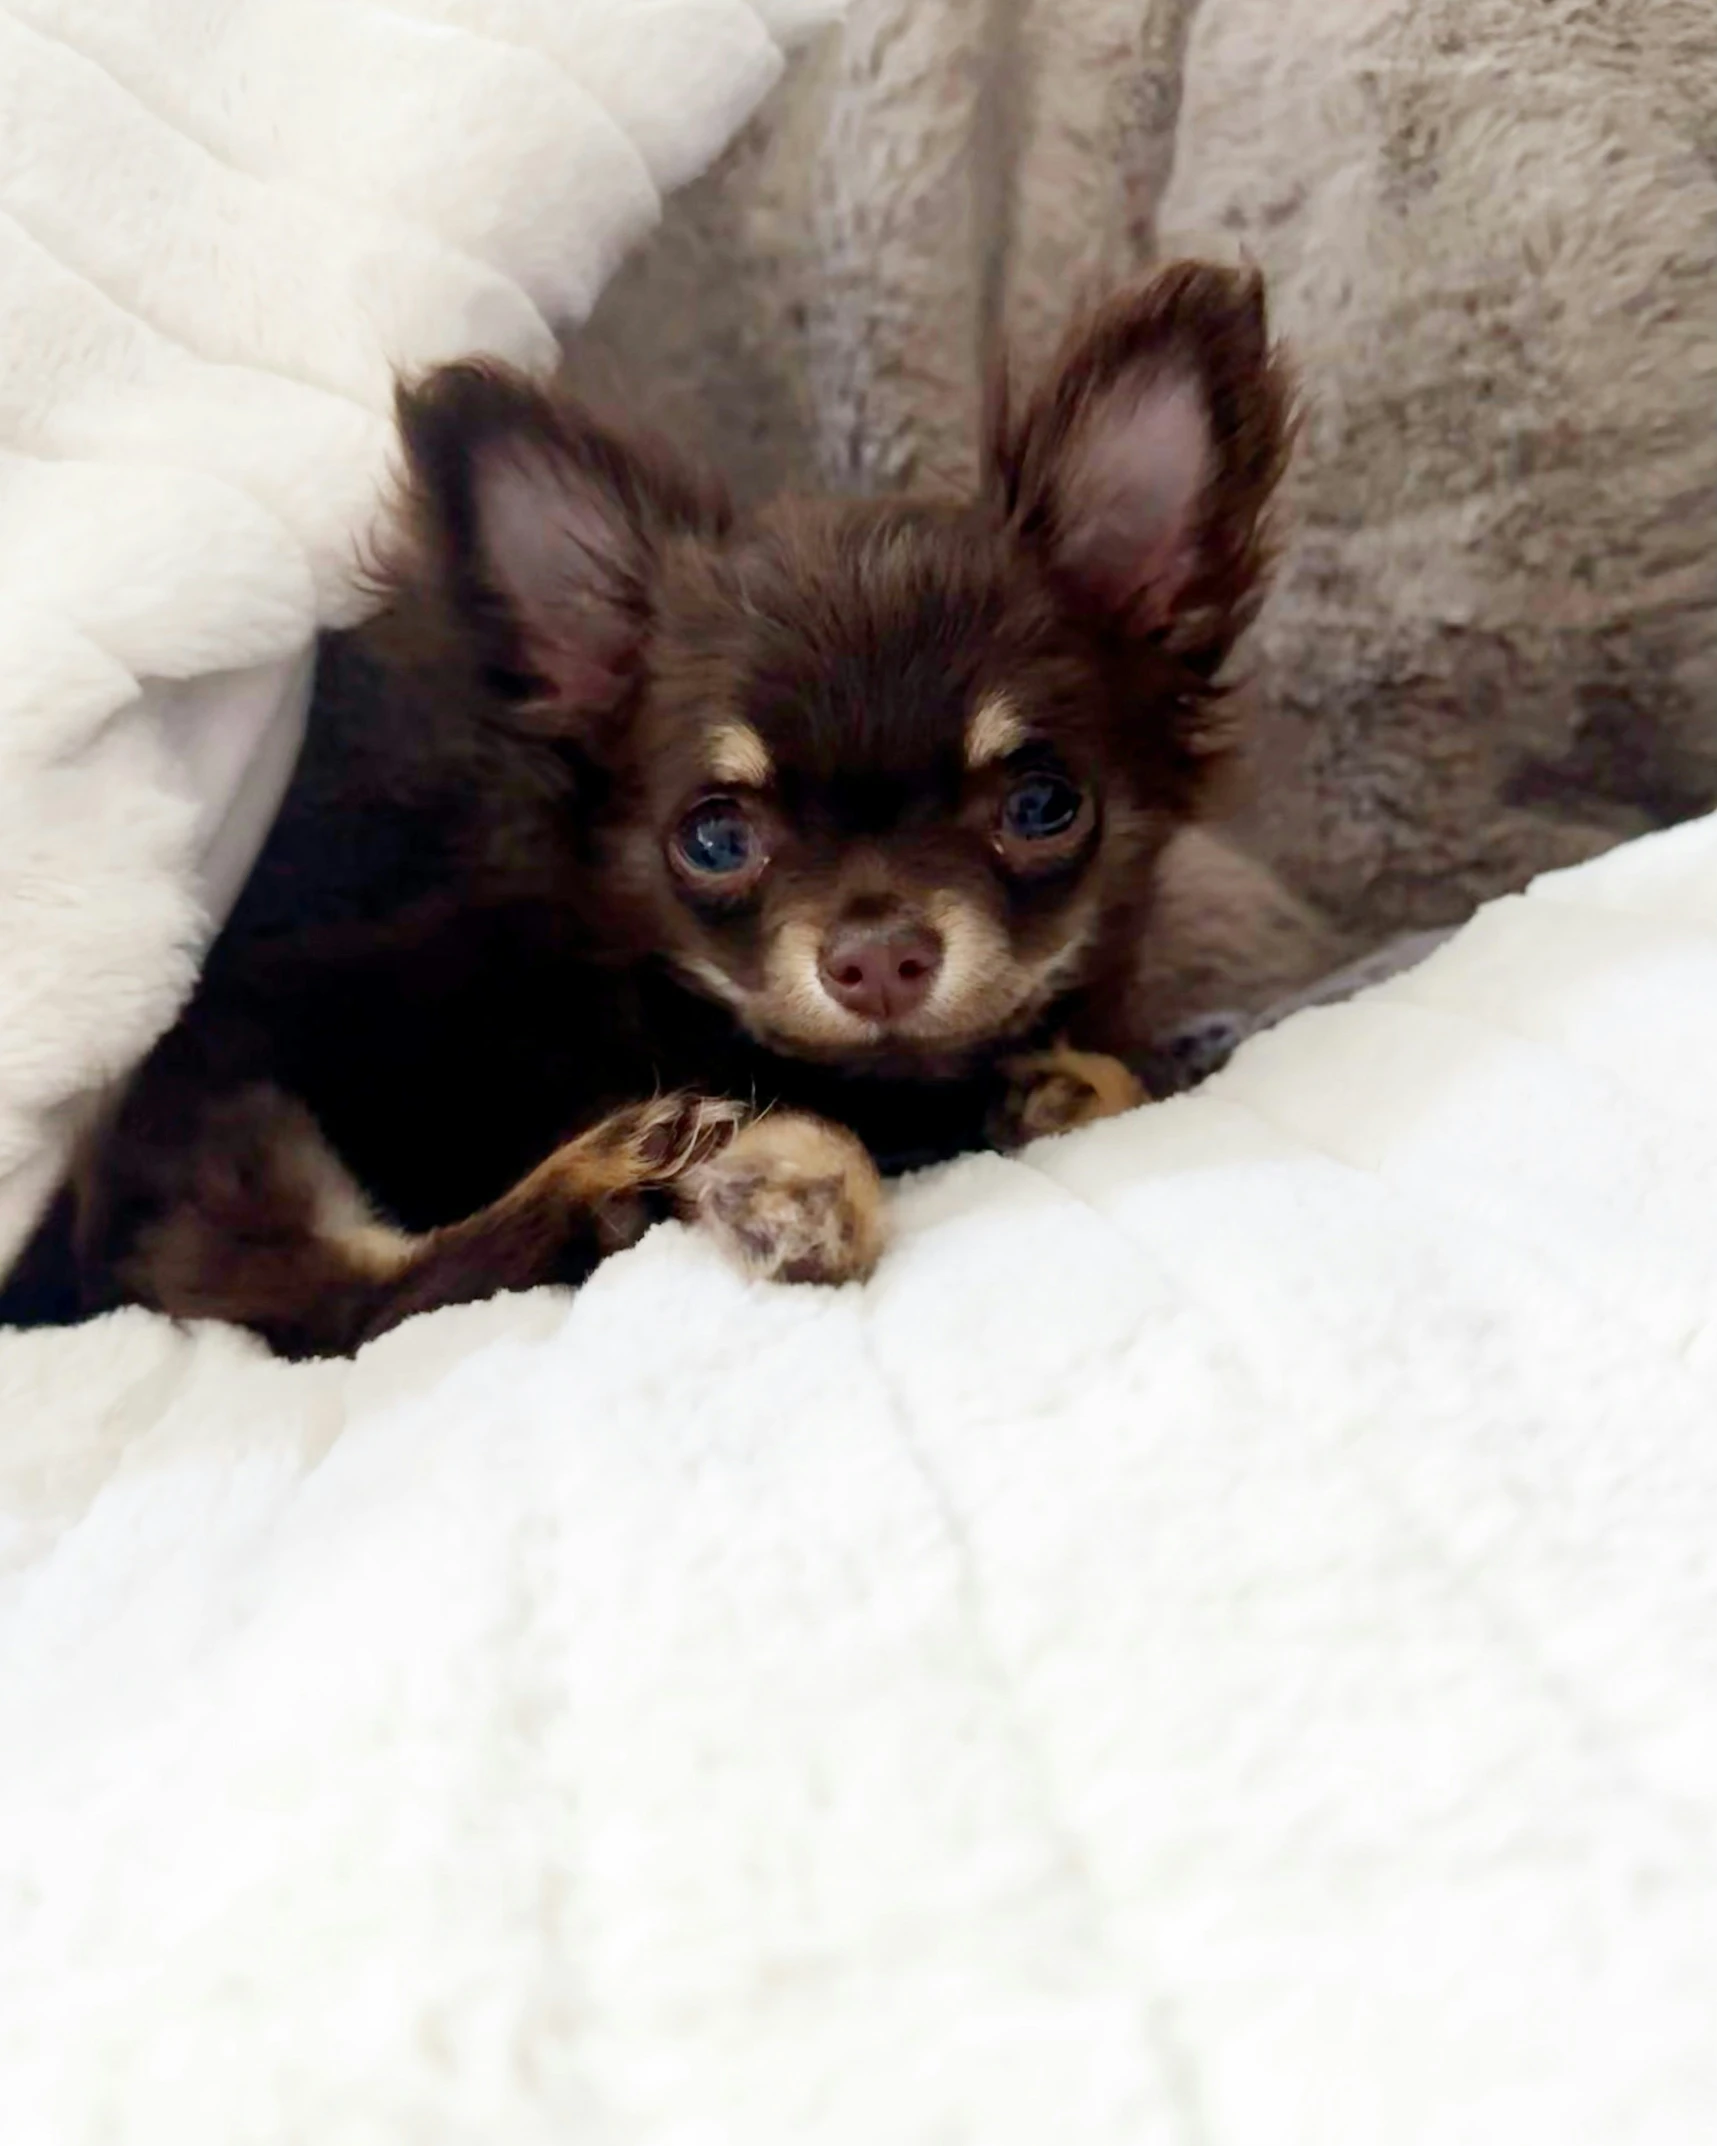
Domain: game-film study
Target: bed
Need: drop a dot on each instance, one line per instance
(1216, 1642)
(1215, 1645)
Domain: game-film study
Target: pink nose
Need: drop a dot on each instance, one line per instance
(881, 973)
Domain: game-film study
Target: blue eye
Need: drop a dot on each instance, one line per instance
(717, 841)
(1039, 807)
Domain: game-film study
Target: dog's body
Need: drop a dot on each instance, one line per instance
(640, 858)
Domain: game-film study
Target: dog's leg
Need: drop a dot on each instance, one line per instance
(267, 1229)
(1223, 937)
(1183, 1057)
(1394, 958)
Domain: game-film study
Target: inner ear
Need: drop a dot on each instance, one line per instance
(1133, 495)
(568, 566)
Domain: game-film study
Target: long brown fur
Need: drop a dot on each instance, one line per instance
(645, 857)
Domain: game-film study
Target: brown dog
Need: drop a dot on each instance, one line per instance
(641, 856)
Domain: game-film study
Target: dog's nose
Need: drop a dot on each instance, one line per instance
(880, 972)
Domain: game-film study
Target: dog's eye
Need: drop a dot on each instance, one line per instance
(1039, 807)
(717, 841)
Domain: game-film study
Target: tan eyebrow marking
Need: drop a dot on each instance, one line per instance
(995, 730)
(737, 754)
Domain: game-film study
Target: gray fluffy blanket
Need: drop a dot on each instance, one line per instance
(1491, 232)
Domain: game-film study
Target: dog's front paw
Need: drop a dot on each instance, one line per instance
(792, 1199)
(1055, 1090)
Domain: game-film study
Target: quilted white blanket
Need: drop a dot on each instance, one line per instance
(224, 225)
(1215, 1646)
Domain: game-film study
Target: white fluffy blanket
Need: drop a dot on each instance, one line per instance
(224, 224)
(1216, 1646)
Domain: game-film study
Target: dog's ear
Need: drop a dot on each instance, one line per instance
(542, 526)
(1141, 470)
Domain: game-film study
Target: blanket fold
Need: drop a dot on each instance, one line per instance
(225, 226)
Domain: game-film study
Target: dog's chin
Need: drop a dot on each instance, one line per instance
(946, 1048)
(883, 1052)
(886, 1058)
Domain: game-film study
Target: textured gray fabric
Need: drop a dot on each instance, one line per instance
(1491, 232)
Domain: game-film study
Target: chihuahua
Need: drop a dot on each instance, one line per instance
(645, 857)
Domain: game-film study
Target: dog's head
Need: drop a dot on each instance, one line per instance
(874, 776)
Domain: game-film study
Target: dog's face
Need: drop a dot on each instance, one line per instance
(878, 776)
(876, 813)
